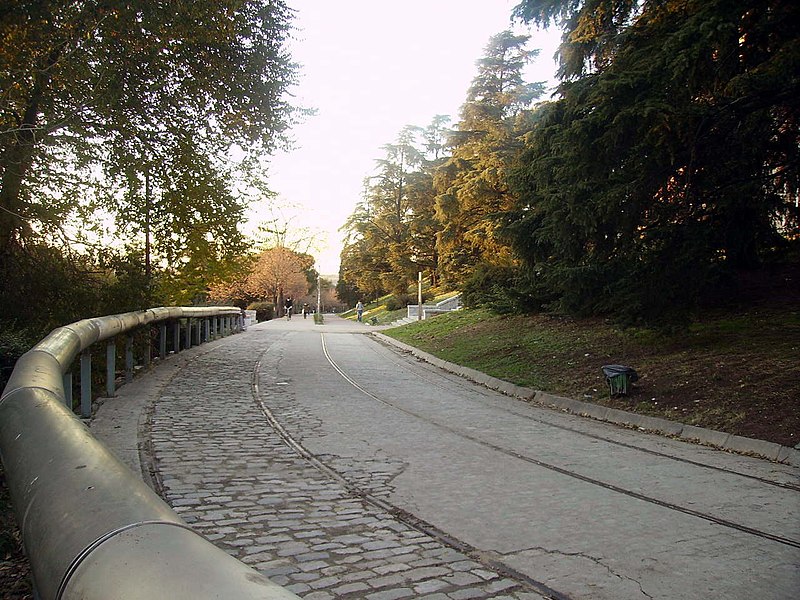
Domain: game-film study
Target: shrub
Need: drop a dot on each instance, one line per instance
(399, 301)
(265, 311)
(394, 303)
(503, 290)
(13, 344)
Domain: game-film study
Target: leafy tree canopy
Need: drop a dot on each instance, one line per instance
(270, 276)
(130, 87)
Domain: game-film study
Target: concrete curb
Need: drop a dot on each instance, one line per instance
(689, 433)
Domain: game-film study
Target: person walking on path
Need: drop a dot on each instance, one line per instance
(360, 310)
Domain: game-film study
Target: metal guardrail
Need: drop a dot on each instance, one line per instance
(92, 529)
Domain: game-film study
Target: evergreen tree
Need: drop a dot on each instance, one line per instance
(471, 186)
(379, 226)
(671, 158)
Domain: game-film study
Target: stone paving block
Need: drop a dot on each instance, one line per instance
(346, 550)
(661, 425)
(315, 565)
(298, 588)
(387, 581)
(358, 575)
(262, 502)
(391, 568)
(704, 436)
(320, 595)
(381, 544)
(324, 582)
(334, 570)
(621, 417)
(789, 455)
(430, 586)
(501, 585)
(393, 594)
(305, 576)
(378, 554)
(311, 556)
(485, 574)
(595, 411)
(349, 588)
(466, 594)
(748, 445)
(416, 562)
(463, 579)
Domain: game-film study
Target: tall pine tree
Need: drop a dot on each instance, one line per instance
(471, 186)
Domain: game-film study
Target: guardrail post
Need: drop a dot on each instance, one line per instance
(207, 326)
(148, 345)
(162, 340)
(176, 336)
(199, 323)
(111, 367)
(68, 389)
(129, 358)
(187, 335)
(86, 383)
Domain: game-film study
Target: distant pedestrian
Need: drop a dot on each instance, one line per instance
(360, 310)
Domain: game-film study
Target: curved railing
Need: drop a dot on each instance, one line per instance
(92, 529)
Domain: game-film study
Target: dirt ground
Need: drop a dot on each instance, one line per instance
(15, 583)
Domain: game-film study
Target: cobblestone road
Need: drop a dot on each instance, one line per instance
(229, 474)
(342, 469)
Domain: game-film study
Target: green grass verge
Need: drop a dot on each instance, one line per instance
(734, 372)
(378, 310)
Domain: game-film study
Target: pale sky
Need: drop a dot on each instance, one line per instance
(369, 68)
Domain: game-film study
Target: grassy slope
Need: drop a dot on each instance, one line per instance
(738, 373)
(382, 315)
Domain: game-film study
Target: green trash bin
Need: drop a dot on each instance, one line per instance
(619, 377)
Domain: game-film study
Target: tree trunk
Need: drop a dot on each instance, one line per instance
(18, 157)
(16, 161)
